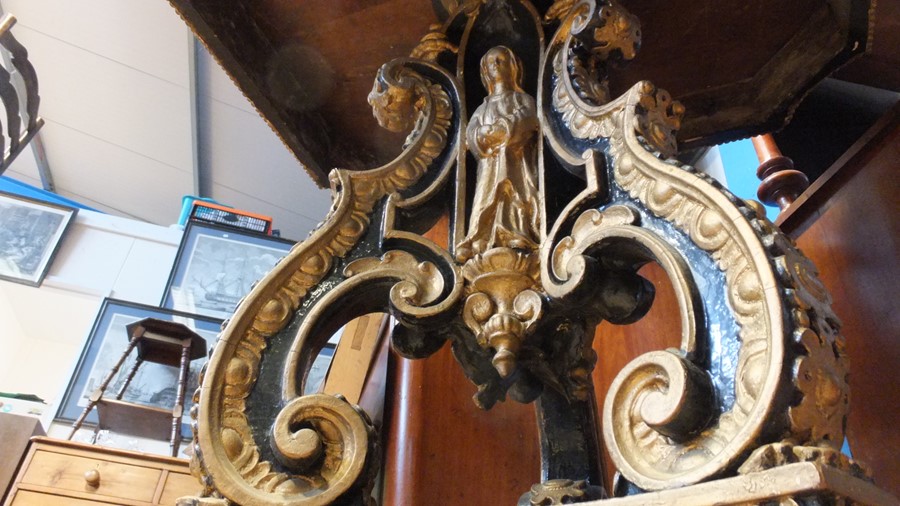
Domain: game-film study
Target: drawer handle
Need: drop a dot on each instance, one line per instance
(92, 478)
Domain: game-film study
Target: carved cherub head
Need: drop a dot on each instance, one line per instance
(395, 100)
(501, 70)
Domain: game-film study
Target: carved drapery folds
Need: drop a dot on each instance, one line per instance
(761, 369)
(502, 134)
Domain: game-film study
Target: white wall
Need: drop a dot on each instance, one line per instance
(248, 165)
(115, 85)
(43, 330)
(115, 98)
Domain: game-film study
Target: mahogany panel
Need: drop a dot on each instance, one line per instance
(444, 450)
(853, 239)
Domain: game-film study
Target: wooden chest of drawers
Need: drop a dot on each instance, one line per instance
(56, 472)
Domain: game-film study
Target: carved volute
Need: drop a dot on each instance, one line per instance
(499, 101)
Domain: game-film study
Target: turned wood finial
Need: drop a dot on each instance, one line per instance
(781, 183)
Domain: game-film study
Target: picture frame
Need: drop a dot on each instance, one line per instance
(319, 370)
(216, 266)
(154, 384)
(31, 231)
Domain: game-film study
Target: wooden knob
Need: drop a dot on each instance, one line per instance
(92, 478)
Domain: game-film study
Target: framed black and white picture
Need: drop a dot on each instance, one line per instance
(319, 370)
(30, 234)
(154, 384)
(216, 266)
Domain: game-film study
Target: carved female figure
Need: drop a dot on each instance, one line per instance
(501, 135)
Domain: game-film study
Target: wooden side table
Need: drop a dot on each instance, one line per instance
(158, 341)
